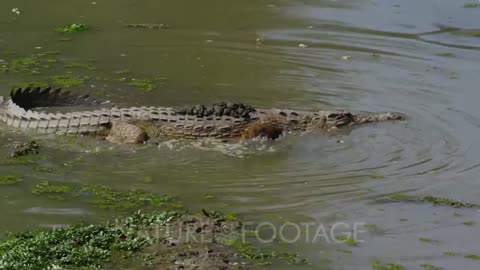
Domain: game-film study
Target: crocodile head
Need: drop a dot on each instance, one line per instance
(338, 119)
(328, 120)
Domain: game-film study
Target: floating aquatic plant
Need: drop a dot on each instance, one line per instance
(9, 179)
(471, 5)
(144, 84)
(72, 28)
(67, 80)
(105, 197)
(25, 64)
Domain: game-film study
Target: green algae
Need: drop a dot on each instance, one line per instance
(446, 54)
(10, 179)
(467, 32)
(350, 241)
(40, 64)
(144, 84)
(19, 161)
(401, 197)
(66, 137)
(25, 64)
(41, 84)
(377, 265)
(433, 200)
(427, 240)
(79, 65)
(80, 246)
(371, 226)
(471, 5)
(468, 223)
(45, 169)
(46, 187)
(446, 201)
(72, 28)
(377, 176)
(67, 80)
(390, 266)
(148, 25)
(105, 197)
(147, 180)
(52, 52)
(231, 216)
(343, 250)
(94, 152)
(472, 256)
(122, 72)
(207, 196)
(248, 251)
(428, 266)
(450, 253)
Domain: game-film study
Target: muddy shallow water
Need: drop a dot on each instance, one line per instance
(407, 56)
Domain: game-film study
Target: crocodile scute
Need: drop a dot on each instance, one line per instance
(218, 109)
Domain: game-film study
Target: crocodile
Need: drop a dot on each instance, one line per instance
(138, 124)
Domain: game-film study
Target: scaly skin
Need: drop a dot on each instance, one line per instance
(137, 124)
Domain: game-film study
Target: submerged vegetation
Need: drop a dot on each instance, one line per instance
(144, 84)
(148, 25)
(67, 80)
(377, 265)
(9, 179)
(467, 32)
(105, 197)
(472, 5)
(23, 64)
(248, 251)
(428, 266)
(41, 70)
(428, 240)
(433, 200)
(446, 54)
(472, 256)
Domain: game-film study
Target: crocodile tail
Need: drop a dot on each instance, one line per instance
(29, 98)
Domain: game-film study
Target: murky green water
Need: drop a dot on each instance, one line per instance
(407, 56)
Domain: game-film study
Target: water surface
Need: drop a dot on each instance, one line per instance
(405, 56)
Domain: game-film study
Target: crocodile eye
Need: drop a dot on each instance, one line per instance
(332, 116)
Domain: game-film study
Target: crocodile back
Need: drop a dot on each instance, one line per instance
(161, 121)
(165, 122)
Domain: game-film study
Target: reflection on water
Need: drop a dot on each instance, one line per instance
(403, 56)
